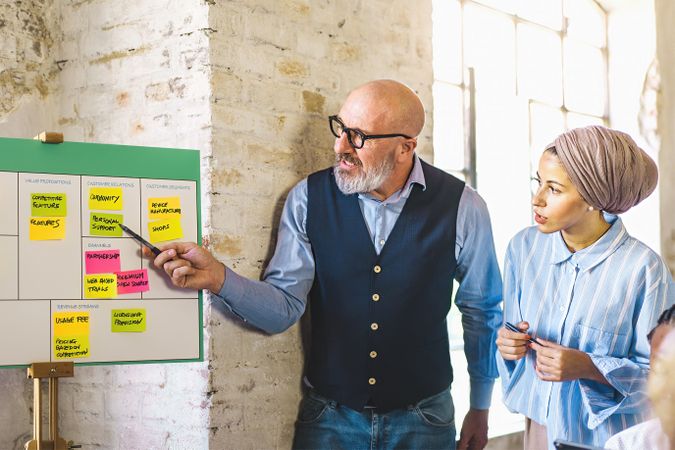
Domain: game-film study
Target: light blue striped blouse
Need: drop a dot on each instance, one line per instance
(602, 300)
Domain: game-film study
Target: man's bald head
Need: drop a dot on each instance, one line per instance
(390, 104)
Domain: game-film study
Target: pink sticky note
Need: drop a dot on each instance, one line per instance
(132, 281)
(102, 261)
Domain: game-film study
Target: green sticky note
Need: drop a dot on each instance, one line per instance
(128, 320)
(47, 204)
(102, 224)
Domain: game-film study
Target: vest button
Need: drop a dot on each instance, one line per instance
(374, 326)
(377, 269)
(376, 297)
(371, 381)
(373, 354)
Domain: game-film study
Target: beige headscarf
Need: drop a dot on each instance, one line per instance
(607, 167)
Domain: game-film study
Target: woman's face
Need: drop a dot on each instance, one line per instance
(657, 338)
(556, 203)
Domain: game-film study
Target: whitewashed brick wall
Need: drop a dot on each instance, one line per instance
(113, 72)
(279, 68)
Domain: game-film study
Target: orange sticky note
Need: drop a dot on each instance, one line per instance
(71, 323)
(46, 228)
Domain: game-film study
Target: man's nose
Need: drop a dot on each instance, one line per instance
(342, 144)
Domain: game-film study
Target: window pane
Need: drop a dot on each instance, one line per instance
(582, 120)
(585, 88)
(539, 64)
(544, 12)
(448, 127)
(585, 21)
(503, 163)
(489, 46)
(508, 6)
(447, 40)
(546, 123)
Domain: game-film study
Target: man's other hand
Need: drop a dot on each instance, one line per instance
(474, 430)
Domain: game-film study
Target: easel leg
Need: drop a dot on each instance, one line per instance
(51, 371)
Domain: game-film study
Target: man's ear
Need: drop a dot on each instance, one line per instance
(408, 147)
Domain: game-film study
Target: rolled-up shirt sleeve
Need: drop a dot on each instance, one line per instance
(479, 295)
(627, 392)
(278, 301)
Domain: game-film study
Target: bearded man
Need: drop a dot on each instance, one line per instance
(374, 244)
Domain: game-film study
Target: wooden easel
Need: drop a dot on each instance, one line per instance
(52, 371)
(50, 137)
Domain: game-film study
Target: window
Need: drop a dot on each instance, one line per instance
(538, 67)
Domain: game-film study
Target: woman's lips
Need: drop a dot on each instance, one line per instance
(539, 219)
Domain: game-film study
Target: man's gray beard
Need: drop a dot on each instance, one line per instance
(362, 182)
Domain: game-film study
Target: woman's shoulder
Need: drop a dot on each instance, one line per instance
(527, 236)
(640, 250)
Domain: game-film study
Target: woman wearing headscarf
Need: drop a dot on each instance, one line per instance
(586, 290)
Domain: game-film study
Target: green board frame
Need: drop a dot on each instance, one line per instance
(108, 160)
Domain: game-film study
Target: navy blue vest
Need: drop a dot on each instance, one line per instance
(378, 322)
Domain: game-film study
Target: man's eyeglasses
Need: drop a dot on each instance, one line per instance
(356, 138)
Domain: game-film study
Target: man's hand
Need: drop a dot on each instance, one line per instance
(558, 363)
(474, 430)
(513, 346)
(190, 266)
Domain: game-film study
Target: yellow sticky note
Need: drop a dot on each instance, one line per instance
(100, 285)
(128, 320)
(71, 323)
(163, 208)
(71, 347)
(165, 230)
(46, 228)
(105, 198)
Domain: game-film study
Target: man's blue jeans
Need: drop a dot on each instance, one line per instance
(324, 424)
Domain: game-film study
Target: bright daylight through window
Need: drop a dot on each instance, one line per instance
(539, 67)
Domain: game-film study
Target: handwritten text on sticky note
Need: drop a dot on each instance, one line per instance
(71, 323)
(165, 230)
(46, 228)
(48, 205)
(105, 198)
(102, 261)
(100, 286)
(70, 347)
(101, 224)
(132, 281)
(163, 208)
(128, 320)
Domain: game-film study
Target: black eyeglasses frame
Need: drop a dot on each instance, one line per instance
(364, 137)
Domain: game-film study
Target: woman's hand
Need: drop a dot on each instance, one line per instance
(513, 346)
(558, 363)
